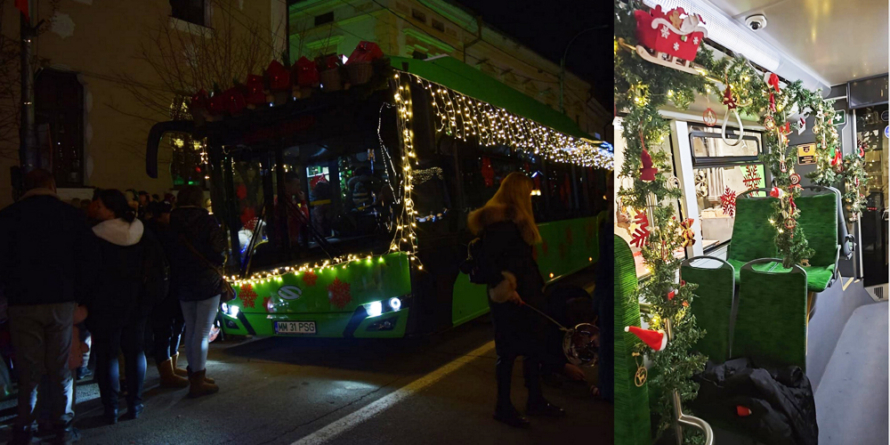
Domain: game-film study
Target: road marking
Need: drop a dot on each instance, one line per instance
(848, 284)
(344, 424)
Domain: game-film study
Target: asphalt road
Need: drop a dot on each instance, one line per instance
(438, 390)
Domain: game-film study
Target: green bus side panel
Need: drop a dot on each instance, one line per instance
(568, 246)
(472, 82)
(329, 297)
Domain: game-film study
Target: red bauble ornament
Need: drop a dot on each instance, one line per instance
(710, 118)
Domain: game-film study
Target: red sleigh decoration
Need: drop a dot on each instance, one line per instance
(672, 36)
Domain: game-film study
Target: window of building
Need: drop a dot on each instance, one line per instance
(438, 25)
(58, 115)
(417, 15)
(324, 18)
(192, 11)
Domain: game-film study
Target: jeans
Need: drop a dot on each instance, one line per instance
(106, 344)
(199, 316)
(41, 336)
(167, 323)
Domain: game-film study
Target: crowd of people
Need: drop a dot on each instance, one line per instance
(83, 279)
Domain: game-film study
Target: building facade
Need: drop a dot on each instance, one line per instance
(101, 83)
(430, 28)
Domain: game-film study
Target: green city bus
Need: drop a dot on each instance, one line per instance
(377, 184)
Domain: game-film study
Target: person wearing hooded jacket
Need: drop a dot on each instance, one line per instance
(196, 254)
(508, 233)
(122, 299)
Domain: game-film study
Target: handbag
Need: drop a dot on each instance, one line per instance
(228, 292)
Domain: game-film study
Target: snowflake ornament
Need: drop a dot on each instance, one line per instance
(338, 293)
(309, 278)
(676, 46)
(751, 179)
(665, 32)
(727, 201)
(695, 40)
(247, 295)
(641, 235)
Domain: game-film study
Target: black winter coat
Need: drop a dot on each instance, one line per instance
(517, 330)
(45, 256)
(192, 278)
(782, 409)
(117, 296)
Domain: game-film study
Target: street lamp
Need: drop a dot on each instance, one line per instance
(562, 65)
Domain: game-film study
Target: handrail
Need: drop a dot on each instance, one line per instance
(681, 418)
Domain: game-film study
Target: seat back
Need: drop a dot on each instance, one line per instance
(714, 304)
(631, 402)
(819, 221)
(752, 235)
(771, 321)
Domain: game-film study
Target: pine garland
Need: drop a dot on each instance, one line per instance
(641, 89)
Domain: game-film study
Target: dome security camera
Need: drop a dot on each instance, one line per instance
(756, 22)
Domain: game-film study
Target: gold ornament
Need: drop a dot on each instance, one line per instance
(642, 374)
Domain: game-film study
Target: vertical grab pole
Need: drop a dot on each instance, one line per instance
(683, 419)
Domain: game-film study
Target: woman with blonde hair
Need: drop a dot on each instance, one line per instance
(506, 227)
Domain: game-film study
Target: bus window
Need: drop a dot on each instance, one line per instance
(560, 190)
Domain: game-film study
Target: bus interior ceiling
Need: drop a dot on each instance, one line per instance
(846, 343)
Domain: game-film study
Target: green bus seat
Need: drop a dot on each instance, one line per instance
(714, 304)
(632, 425)
(819, 221)
(752, 235)
(771, 321)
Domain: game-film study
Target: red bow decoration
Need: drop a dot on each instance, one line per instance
(234, 101)
(365, 52)
(728, 99)
(773, 81)
(785, 129)
(279, 77)
(647, 173)
(255, 95)
(306, 71)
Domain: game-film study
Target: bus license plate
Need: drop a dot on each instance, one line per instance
(295, 327)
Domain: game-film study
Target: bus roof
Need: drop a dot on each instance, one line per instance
(467, 80)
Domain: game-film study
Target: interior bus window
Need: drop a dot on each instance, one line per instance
(560, 191)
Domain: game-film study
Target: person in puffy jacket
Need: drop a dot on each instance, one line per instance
(120, 304)
(196, 253)
(506, 226)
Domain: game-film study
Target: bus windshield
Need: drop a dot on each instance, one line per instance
(311, 201)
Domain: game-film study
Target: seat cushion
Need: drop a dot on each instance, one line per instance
(818, 277)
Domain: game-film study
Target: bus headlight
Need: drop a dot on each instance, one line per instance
(230, 310)
(374, 308)
(395, 303)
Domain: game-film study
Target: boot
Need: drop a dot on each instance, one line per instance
(134, 411)
(199, 387)
(508, 414)
(169, 379)
(110, 416)
(179, 371)
(188, 371)
(541, 407)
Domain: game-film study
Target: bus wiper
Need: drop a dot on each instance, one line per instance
(323, 243)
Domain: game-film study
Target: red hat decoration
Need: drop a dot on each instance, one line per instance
(777, 193)
(655, 339)
(772, 80)
(306, 72)
(255, 87)
(365, 52)
(647, 173)
(279, 76)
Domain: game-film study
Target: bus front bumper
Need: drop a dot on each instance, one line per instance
(327, 325)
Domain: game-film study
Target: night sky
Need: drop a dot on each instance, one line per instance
(547, 26)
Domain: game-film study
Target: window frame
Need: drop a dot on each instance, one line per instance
(185, 8)
(721, 160)
(53, 78)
